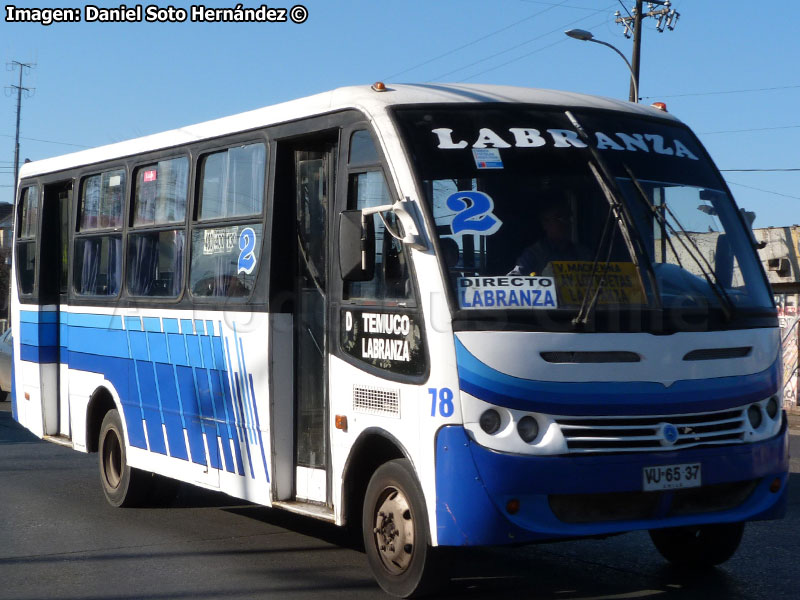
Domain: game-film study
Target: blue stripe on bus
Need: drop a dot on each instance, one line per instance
(631, 398)
(174, 377)
(39, 334)
(92, 320)
(168, 395)
(38, 354)
(148, 393)
(35, 316)
(191, 411)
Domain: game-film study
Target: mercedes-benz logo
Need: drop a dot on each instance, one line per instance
(669, 434)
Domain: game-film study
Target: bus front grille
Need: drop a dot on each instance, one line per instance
(652, 433)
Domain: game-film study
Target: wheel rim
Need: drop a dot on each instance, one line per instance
(394, 530)
(112, 459)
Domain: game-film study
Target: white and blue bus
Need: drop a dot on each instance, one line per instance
(449, 315)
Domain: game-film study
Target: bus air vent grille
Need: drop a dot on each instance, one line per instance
(373, 400)
(653, 433)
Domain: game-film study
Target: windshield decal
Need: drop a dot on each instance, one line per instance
(620, 282)
(473, 213)
(502, 293)
(487, 158)
(521, 137)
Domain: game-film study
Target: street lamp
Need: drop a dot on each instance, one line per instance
(587, 36)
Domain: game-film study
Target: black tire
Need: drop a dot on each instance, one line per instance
(396, 533)
(122, 485)
(701, 546)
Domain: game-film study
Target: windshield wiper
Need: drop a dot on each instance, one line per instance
(619, 210)
(725, 301)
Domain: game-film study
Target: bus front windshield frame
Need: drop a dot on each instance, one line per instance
(557, 220)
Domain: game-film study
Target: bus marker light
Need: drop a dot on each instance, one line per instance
(659, 106)
(775, 486)
(379, 86)
(27, 396)
(512, 506)
(341, 422)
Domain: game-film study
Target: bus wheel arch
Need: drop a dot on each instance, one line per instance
(100, 403)
(373, 448)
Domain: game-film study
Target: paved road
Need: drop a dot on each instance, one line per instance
(60, 540)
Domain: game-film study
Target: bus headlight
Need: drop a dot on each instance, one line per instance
(490, 421)
(772, 408)
(528, 429)
(754, 416)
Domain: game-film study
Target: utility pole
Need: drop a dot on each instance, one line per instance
(667, 18)
(22, 66)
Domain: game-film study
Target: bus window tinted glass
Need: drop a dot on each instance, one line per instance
(362, 149)
(232, 182)
(102, 199)
(225, 260)
(26, 263)
(29, 212)
(155, 263)
(160, 195)
(391, 279)
(98, 265)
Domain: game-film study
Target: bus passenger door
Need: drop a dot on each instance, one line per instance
(312, 188)
(304, 230)
(53, 292)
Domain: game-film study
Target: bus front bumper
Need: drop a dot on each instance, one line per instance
(485, 497)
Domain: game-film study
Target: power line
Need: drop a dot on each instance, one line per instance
(562, 5)
(475, 41)
(750, 130)
(758, 170)
(558, 29)
(718, 93)
(763, 190)
(46, 141)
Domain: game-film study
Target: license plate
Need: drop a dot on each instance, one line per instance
(671, 477)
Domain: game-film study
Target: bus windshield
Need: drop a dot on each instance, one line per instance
(531, 217)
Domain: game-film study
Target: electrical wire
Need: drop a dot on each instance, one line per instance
(742, 91)
(472, 64)
(475, 41)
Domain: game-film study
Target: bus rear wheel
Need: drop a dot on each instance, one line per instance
(700, 546)
(122, 485)
(396, 533)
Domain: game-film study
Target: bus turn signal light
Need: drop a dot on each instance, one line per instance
(341, 422)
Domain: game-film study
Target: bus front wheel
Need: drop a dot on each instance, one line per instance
(122, 485)
(396, 533)
(700, 546)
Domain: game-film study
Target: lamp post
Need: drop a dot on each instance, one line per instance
(587, 36)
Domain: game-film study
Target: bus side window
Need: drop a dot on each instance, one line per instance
(26, 238)
(225, 257)
(155, 257)
(98, 244)
(391, 281)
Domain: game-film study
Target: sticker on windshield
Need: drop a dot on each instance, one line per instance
(473, 213)
(503, 293)
(487, 158)
(621, 282)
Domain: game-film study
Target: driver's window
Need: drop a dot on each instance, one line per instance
(367, 188)
(391, 280)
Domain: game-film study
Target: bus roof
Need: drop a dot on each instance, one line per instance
(363, 98)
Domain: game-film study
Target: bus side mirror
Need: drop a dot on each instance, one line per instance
(723, 262)
(356, 246)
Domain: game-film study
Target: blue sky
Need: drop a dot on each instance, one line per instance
(728, 70)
